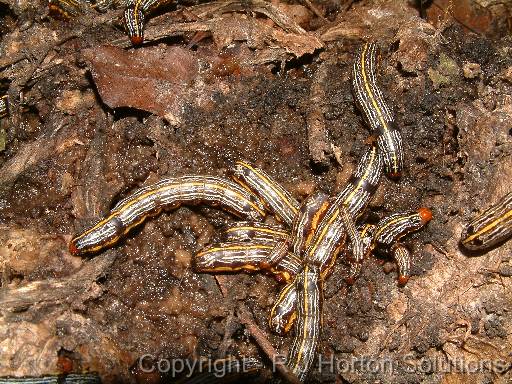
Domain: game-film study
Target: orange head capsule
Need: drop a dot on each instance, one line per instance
(265, 265)
(73, 249)
(402, 280)
(394, 175)
(137, 40)
(134, 22)
(425, 215)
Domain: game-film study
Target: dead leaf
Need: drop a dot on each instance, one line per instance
(151, 79)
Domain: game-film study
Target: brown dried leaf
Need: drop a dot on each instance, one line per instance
(272, 44)
(280, 14)
(151, 79)
(259, 35)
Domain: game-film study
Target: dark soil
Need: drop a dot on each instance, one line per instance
(70, 155)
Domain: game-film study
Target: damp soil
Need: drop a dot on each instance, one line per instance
(80, 137)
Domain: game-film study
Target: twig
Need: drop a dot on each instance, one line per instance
(314, 9)
(31, 153)
(8, 61)
(228, 333)
(261, 339)
(54, 291)
(220, 279)
(159, 32)
(318, 142)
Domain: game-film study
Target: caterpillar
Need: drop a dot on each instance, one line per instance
(248, 257)
(491, 227)
(376, 113)
(275, 197)
(167, 193)
(308, 285)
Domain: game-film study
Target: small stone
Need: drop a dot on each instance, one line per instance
(507, 74)
(505, 270)
(471, 70)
